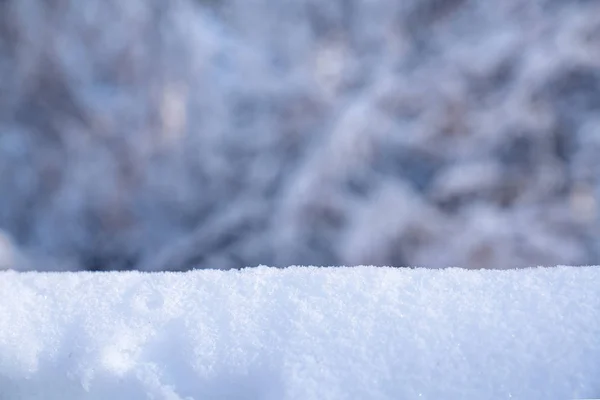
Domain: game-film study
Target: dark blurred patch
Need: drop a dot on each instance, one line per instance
(106, 260)
(359, 184)
(9, 40)
(517, 153)
(427, 12)
(517, 157)
(321, 225)
(553, 5)
(574, 92)
(485, 89)
(416, 166)
(574, 96)
(329, 19)
(245, 110)
(420, 17)
(395, 256)
(564, 141)
(49, 102)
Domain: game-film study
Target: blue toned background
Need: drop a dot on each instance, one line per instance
(154, 135)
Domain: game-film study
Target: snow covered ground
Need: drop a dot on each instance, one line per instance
(301, 333)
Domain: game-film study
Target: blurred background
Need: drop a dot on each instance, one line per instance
(171, 135)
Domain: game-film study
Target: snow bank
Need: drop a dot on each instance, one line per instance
(301, 333)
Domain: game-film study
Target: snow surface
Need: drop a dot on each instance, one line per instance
(301, 333)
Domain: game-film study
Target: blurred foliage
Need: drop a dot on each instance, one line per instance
(162, 135)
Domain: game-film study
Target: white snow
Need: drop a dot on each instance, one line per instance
(301, 333)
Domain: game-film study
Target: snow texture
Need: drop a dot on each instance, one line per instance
(301, 333)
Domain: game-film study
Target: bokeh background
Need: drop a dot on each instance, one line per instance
(170, 135)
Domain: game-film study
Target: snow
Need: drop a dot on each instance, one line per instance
(301, 333)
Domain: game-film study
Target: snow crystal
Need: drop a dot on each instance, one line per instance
(301, 333)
